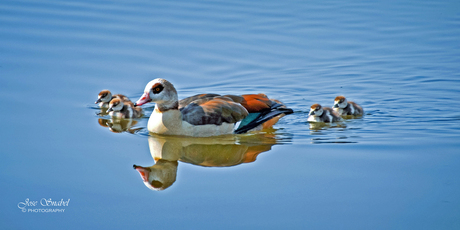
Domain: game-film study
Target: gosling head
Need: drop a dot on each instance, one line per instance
(340, 102)
(104, 96)
(115, 105)
(316, 110)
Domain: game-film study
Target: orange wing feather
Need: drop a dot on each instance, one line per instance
(256, 102)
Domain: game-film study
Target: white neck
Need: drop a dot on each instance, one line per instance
(168, 122)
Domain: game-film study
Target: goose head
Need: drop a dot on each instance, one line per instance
(161, 92)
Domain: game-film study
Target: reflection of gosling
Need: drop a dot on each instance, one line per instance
(322, 114)
(344, 107)
(105, 96)
(119, 125)
(159, 176)
(120, 109)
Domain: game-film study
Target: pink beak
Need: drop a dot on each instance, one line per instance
(144, 172)
(143, 100)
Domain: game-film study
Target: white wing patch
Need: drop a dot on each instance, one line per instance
(328, 114)
(237, 125)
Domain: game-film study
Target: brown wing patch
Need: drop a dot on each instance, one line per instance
(202, 97)
(256, 102)
(213, 110)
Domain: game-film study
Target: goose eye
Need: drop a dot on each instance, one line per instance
(157, 89)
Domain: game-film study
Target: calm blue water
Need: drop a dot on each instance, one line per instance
(395, 168)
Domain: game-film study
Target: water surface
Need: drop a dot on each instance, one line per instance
(394, 168)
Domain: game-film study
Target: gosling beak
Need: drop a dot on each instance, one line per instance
(336, 105)
(145, 98)
(110, 109)
(311, 113)
(98, 101)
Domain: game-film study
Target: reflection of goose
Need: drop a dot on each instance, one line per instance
(223, 151)
(208, 114)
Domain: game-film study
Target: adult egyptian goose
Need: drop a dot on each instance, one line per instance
(205, 115)
(120, 109)
(105, 96)
(344, 107)
(322, 114)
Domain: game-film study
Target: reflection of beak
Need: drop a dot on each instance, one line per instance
(98, 101)
(110, 110)
(144, 99)
(336, 105)
(144, 172)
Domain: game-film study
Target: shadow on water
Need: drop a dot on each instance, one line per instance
(223, 151)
